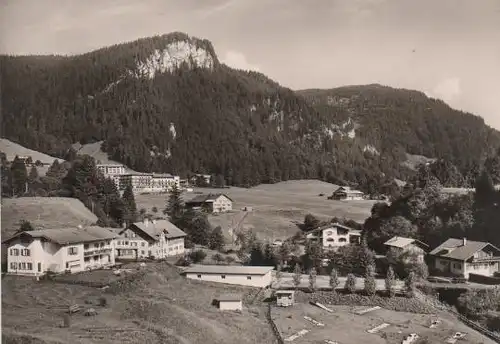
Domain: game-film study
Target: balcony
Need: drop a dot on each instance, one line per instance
(97, 251)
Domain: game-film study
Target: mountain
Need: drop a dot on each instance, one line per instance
(167, 104)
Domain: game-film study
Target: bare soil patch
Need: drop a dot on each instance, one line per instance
(159, 306)
(346, 327)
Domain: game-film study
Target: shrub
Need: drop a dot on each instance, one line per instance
(475, 303)
(370, 283)
(230, 259)
(390, 281)
(334, 280)
(218, 258)
(350, 284)
(297, 276)
(66, 320)
(410, 284)
(312, 279)
(103, 302)
(197, 256)
(183, 261)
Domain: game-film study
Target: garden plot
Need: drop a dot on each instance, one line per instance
(344, 326)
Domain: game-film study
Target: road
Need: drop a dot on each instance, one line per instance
(322, 281)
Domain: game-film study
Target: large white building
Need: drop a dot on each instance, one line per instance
(335, 235)
(60, 250)
(140, 182)
(254, 276)
(156, 239)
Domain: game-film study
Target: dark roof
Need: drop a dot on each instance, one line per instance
(155, 228)
(454, 249)
(65, 236)
(206, 198)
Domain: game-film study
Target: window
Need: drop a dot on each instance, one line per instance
(143, 244)
(223, 276)
(29, 266)
(86, 246)
(72, 251)
(142, 252)
(199, 276)
(342, 240)
(249, 277)
(13, 266)
(14, 252)
(25, 252)
(96, 245)
(330, 240)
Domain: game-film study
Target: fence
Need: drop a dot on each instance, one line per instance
(276, 332)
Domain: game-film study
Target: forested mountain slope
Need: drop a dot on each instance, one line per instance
(167, 104)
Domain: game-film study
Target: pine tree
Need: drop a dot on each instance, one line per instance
(297, 276)
(334, 280)
(19, 175)
(350, 284)
(390, 281)
(130, 208)
(199, 230)
(410, 284)
(216, 241)
(312, 279)
(175, 206)
(33, 175)
(370, 283)
(26, 226)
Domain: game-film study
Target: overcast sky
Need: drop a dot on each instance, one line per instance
(449, 49)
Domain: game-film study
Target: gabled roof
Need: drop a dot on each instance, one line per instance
(402, 242)
(454, 249)
(228, 297)
(206, 198)
(66, 236)
(336, 225)
(229, 269)
(347, 189)
(154, 229)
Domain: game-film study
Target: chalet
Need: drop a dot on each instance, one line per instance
(347, 194)
(150, 239)
(461, 257)
(253, 276)
(411, 246)
(335, 235)
(60, 250)
(212, 203)
(229, 302)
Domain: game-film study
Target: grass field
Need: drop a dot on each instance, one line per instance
(277, 208)
(346, 327)
(161, 307)
(43, 212)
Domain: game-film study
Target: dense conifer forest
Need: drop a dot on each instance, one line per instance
(234, 123)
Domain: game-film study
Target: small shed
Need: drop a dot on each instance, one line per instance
(285, 298)
(229, 302)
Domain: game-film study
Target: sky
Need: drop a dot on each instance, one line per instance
(449, 49)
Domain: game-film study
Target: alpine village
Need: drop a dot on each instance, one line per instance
(153, 199)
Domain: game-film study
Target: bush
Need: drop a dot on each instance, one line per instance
(334, 280)
(390, 281)
(197, 256)
(475, 303)
(312, 279)
(183, 261)
(410, 284)
(297, 276)
(103, 302)
(218, 258)
(370, 283)
(350, 283)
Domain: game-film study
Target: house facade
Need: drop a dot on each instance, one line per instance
(155, 239)
(414, 248)
(345, 193)
(335, 235)
(462, 257)
(211, 203)
(229, 302)
(37, 252)
(253, 276)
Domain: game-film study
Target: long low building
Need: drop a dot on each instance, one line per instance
(254, 276)
(36, 252)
